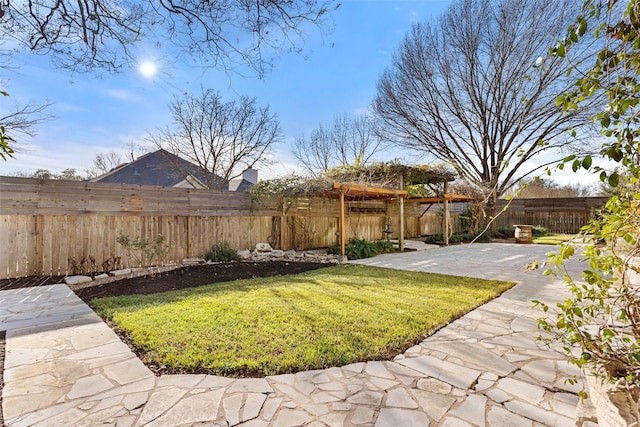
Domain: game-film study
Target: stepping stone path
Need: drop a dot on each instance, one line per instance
(65, 367)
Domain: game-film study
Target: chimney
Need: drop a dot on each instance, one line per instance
(251, 175)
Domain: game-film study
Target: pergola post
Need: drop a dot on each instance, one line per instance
(341, 223)
(401, 206)
(446, 215)
(355, 192)
(401, 235)
(283, 224)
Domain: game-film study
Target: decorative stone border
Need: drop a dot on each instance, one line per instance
(291, 255)
(81, 281)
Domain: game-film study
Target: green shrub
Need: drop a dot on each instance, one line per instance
(383, 246)
(360, 248)
(222, 252)
(434, 238)
(507, 231)
(539, 231)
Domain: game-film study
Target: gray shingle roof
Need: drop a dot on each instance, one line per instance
(157, 168)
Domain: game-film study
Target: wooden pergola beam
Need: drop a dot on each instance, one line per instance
(447, 197)
(369, 193)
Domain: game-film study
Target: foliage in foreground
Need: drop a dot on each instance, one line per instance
(327, 317)
(360, 248)
(601, 318)
(5, 149)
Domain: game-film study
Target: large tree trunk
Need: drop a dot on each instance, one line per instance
(490, 213)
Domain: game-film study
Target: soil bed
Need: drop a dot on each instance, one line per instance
(183, 277)
(188, 277)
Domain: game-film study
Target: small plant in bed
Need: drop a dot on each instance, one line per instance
(222, 252)
(327, 317)
(360, 248)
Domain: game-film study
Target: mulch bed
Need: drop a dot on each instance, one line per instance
(183, 277)
(188, 277)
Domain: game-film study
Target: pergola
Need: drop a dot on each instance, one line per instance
(359, 192)
(408, 175)
(445, 199)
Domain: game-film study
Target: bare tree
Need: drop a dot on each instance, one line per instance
(83, 35)
(315, 154)
(223, 138)
(349, 140)
(477, 89)
(104, 162)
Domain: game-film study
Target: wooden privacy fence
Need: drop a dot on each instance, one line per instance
(558, 215)
(50, 227)
(66, 227)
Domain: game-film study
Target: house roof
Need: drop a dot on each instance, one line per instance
(157, 168)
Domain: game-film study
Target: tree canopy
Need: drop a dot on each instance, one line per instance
(477, 89)
(348, 140)
(223, 138)
(103, 34)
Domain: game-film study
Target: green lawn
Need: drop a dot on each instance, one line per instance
(553, 239)
(327, 317)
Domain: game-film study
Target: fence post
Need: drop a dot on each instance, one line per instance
(283, 224)
(39, 246)
(189, 236)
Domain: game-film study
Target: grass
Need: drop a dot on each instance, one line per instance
(553, 239)
(327, 317)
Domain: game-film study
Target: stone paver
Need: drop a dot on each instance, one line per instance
(64, 366)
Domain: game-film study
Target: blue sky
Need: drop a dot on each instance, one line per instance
(337, 74)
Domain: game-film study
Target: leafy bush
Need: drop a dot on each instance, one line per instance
(507, 231)
(360, 248)
(598, 325)
(222, 252)
(538, 231)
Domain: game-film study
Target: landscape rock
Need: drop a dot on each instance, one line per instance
(263, 247)
(192, 261)
(319, 255)
(121, 272)
(74, 280)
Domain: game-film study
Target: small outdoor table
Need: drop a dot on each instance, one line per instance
(523, 233)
